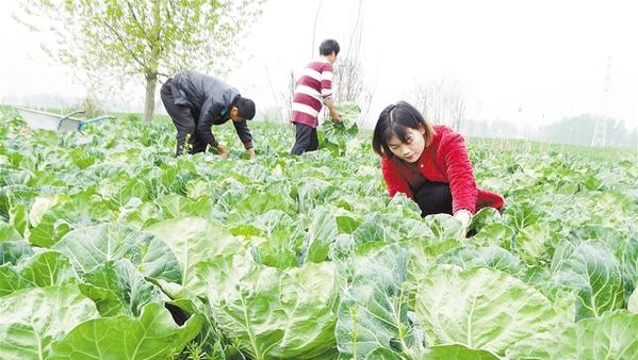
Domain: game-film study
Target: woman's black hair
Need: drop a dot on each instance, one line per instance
(328, 46)
(395, 120)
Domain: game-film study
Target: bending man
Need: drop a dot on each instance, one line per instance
(196, 102)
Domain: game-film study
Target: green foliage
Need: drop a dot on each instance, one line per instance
(141, 39)
(151, 335)
(373, 315)
(335, 136)
(593, 272)
(271, 313)
(91, 107)
(35, 318)
(587, 339)
(477, 291)
(306, 257)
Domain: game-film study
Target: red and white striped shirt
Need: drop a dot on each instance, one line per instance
(313, 87)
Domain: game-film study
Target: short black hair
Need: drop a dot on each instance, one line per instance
(245, 108)
(395, 120)
(328, 46)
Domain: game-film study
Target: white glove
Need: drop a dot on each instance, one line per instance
(464, 216)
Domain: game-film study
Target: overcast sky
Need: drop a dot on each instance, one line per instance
(520, 61)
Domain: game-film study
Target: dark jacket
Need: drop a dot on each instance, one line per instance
(210, 100)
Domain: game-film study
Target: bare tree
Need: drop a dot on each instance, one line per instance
(440, 102)
(283, 98)
(287, 94)
(421, 99)
(457, 110)
(348, 74)
(314, 29)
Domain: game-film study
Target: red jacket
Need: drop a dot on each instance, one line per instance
(444, 160)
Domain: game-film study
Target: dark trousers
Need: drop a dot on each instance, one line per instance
(184, 122)
(434, 198)
(305, 139)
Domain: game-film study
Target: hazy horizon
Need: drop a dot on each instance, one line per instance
(525, 63)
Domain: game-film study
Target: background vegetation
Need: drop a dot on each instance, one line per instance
(106, 235)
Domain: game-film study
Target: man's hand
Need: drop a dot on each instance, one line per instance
(251, 154)
(337, 119)
(221, 150)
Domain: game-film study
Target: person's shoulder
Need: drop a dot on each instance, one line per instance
(326, 65)
(321, 60)
(319, 64)
(196, 76)
(448, 138)
(443, 129)
(192, 74)
(440, 131)
(389, 162)
(446, 132)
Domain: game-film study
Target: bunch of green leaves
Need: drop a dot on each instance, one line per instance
(334, 136)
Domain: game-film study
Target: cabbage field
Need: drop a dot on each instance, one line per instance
(112, 248)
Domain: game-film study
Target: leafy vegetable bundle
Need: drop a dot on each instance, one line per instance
(334, 136)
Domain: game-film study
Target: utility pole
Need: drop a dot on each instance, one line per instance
(600, 128)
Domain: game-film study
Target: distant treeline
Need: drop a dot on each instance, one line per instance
(578, 130)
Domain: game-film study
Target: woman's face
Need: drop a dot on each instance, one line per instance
(411, 150)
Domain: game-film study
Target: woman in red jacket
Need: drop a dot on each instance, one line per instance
(428, 163)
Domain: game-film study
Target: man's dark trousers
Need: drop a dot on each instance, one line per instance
(305, 139)
(183, 120)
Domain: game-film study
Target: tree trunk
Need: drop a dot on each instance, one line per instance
(149, 104)
(152, 65)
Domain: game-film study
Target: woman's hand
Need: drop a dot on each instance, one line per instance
(465, 217)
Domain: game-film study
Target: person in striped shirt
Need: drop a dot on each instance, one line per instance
(313, 91)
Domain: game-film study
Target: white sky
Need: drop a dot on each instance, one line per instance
(547, 58)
